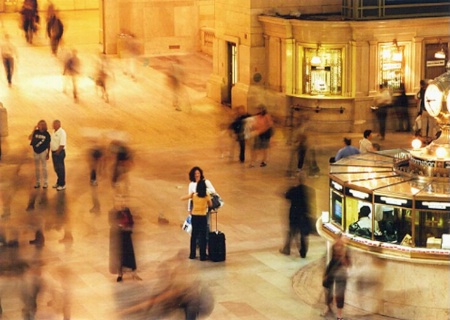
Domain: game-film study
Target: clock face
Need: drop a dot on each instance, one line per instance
(433, 100)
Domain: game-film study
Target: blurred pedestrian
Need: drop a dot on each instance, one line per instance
(55, 30)
(428, 123)
(300, 142)
(71, 72)
(401, 107)
(9, 55)
(30, 18)
(262, 131)
(237, 126)
(58, 145)
(335, 277)
(102, 75)
(40, 141)
(201, 201)
(122, 162)
(299, 221)
(383, 101)
(129, 53)
(175, 82)
(121, 244)
(95, 155)
(179, 289)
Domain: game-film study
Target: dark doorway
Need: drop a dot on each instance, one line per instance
(231, 71)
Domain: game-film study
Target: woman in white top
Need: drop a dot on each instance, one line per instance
(195, 175)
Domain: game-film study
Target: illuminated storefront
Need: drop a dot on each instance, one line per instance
(338, 65)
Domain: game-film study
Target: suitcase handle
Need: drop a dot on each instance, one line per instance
(212, 212)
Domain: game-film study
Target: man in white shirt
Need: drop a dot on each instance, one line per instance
(365, 145)
(365, 220)
(58, 148)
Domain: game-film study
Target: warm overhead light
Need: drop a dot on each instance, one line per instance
(440, 54)
(397, 54)
(316, 61)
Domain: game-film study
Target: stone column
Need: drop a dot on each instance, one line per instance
(109, 25)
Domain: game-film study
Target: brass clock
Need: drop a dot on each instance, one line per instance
(433, 100)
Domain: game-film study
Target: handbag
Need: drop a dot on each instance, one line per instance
(217, 201)
(187, 224)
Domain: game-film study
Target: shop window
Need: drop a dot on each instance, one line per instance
(322, 71)
(430, 227)
(392, 65)
(394, 223)
(434, 63)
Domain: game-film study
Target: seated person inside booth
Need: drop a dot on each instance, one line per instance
(389, 223)
(363, 227)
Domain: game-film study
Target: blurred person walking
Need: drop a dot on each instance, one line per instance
(40, 141)
(30, 18)
(9, 55)
(179, 289)
(102, 75)
(55, 30)
(428, 123)
(335, 277)
(262, 131)
(401, 108)
(121, 247)
(122, 163)
(201, 201)
(71, 72)
(383, 101)
(58, 145)
(237, 126)
(299, 221)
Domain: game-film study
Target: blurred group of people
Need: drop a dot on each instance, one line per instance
(71, 64)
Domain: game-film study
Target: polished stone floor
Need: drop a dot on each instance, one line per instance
(255, 281)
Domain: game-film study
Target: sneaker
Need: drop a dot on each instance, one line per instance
(94, 183)
(285, 252)
(55, 186)
(37, 185)
(263, 164)
(61, 188)
(45, 186)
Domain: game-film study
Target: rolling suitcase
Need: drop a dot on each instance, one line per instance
(216, 244)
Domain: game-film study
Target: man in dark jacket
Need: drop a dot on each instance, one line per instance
(298, 218)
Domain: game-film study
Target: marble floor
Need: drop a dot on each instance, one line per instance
(255, 281)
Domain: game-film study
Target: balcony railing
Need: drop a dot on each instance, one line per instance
(393, 9)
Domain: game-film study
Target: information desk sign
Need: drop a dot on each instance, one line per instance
(336, 186)
(393, 201)
(433, 205)
(359, 194)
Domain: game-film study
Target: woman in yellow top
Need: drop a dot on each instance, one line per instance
(200, 203)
